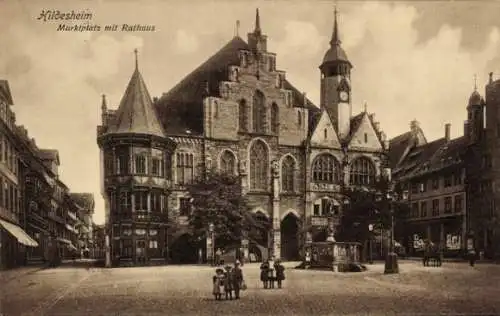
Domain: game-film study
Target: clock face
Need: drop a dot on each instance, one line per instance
(344, 96)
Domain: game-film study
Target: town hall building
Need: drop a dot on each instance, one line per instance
(236, 113)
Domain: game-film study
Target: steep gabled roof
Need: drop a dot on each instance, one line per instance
(5, 92)
(136, 113)
(398, 146)
(417, 157)
(49, 154)
(181, 108)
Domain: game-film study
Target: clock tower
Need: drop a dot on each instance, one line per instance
(335, 84)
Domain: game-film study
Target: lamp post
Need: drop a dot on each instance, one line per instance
(370, 248)
(391, 260)
(211, 246)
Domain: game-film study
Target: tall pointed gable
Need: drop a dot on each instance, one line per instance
(363, 134)
(324, 134)
(136, 113)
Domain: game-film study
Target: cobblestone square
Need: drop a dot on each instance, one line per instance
(186, 290)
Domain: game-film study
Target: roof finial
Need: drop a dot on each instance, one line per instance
(335, 36)
(104, 104)
(237, 30)
(366, 107)
(257, 22)
(136, 52)
(475, 82)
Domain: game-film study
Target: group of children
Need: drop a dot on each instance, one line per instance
(271, 271)
(225, 282)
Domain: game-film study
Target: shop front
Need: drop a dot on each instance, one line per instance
(13, 243)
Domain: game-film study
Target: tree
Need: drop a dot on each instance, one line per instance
(217, 198)
(371, 206)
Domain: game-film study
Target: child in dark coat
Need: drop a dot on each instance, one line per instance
(228, 282)
(280, 272)
(264, 270)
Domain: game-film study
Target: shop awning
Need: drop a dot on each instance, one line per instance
(71, 247)
(19, 234)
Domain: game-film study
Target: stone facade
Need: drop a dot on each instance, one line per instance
(237, 113)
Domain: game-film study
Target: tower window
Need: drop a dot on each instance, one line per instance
(140, 164)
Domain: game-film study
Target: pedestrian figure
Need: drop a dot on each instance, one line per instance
(280, 272)
(308, 259)
(271, 273)
(218, 254)
(472, 257)
(228, 282)
(238, 280)
(264, 268)
(218, 283)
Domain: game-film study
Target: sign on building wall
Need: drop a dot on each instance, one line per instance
(453, 242)
(418, 242)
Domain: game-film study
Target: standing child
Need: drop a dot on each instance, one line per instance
(280, 272)
(264, 267)
(218, 283)
(271, 273)
(228, 282)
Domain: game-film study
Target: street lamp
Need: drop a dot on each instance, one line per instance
(391, 261)
(370, 240)
(211, 228)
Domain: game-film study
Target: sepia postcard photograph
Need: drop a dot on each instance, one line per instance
(249, 157)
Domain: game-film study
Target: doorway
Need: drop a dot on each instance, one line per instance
(140, 251)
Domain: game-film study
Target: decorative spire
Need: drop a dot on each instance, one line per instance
(475, 82)
(237, 29)
(365, 105)
(136, 52)
(104, 104)
(335, 36)
(257, 22)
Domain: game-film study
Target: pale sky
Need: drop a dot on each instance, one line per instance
(411, 60)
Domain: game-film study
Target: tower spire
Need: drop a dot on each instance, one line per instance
(104, 104)
(257, 22)
(475, 82)
(335, 36)
(136, 59)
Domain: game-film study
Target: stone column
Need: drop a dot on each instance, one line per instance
(276, 210)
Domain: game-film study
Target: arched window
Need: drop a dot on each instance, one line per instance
(274, 118)
(326, 169)
(259, 112)
(227, 162)
(259, 164)
(287, 174)
(243, 115)
(185, 168)
(362, 172)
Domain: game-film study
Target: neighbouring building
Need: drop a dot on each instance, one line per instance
(236, 113)
(451, 183)
(13, 238)
(86, 208)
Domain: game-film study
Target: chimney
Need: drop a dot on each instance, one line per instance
(447, 128)
(414, 126)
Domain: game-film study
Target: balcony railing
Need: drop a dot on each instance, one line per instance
(8, 215)
(56, 217)
(319, 221)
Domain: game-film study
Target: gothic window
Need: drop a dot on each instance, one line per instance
(326, 169)
(259, 164)
(185, 169)
(140, 164)
(287, 174)
(227, 162)
(125, 202)
(274, 118)
(243, 115)
(259, 112)
(141, 201)
(184, 207)
(362, 172)
(122, 164)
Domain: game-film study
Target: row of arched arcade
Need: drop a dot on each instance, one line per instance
(185, 250)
